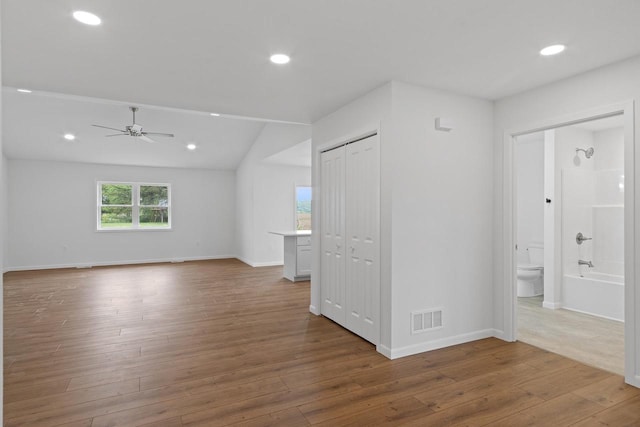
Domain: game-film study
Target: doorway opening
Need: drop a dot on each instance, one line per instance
(570, 241)
(631, 216)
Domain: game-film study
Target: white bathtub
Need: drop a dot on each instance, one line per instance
(597, 294)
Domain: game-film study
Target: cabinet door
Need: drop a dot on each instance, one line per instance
(332, 270)
(303, 264)
(363, 238)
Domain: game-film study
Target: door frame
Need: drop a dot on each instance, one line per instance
(631, 218)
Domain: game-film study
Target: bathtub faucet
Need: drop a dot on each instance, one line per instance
(587, 263)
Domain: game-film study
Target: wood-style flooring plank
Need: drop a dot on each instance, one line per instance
(215, 343)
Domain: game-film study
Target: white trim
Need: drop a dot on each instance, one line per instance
(122, 262)
(127, 104)
(499, 334)
(395, 353)
(593, 314)
(259, 264)
(313, 309)
(384, 350)
(632, 211)
(364, 132)
(552, 305)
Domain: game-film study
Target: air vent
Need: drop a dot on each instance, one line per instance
(428, 320)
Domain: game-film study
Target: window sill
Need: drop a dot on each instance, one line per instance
(128, 230)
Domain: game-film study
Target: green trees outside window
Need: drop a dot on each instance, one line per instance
(133, 206)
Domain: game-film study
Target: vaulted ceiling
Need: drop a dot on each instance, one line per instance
(213, 56)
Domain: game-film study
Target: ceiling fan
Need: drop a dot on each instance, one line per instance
(135, 130)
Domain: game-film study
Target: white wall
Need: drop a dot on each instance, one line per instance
(274, 208)
(615, 84)
(436, 210)
(265, 194)
(530, 177)
(441, 216)
(52, 213)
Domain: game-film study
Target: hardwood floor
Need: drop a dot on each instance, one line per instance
(217, 343)
(589, 339)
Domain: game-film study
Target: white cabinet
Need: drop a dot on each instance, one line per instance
(303, 256)
(297, 255)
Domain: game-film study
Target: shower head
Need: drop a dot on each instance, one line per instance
(587, 153)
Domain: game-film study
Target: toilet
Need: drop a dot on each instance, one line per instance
(530, 275)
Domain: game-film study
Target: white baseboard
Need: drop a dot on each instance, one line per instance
(122, 262)
(593, 314)
(313, 309)
(501, 335)
(633, 380)
(551, 305)
(260, 264)
(395, 353)
(384, 350)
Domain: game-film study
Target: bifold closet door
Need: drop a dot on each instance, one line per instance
(350, 242)
(332, 226)
(363, 238)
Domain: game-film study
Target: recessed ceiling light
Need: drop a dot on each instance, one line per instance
(69, 136)
(191, 146)
(86, 17)
(215, 114)
(280, 58)
(552, 50)
(24, 90)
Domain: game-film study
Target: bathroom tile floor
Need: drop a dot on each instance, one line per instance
(588, 339)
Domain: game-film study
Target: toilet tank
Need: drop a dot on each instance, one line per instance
(536, 253)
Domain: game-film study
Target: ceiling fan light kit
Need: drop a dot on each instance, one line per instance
(135, 130)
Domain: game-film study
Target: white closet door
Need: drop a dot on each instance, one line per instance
(332, 270)
(363, 238)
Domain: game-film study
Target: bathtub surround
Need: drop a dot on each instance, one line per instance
(593, 205)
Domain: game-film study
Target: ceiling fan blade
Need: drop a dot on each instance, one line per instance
(117, 134)
(170, 135)
(146, 138)
(107, 127)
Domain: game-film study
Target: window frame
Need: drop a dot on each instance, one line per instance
(135, 207)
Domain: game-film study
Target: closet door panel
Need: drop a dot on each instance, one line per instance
(332, 244)
(363, 238)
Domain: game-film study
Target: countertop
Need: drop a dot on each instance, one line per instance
(292, 233)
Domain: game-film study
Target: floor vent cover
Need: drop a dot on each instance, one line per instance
(428, 320)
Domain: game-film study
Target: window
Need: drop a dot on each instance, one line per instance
(303, 207)
(133, 206)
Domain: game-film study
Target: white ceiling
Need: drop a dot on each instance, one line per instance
(212, 56)
(298, 155)
(34, 125)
